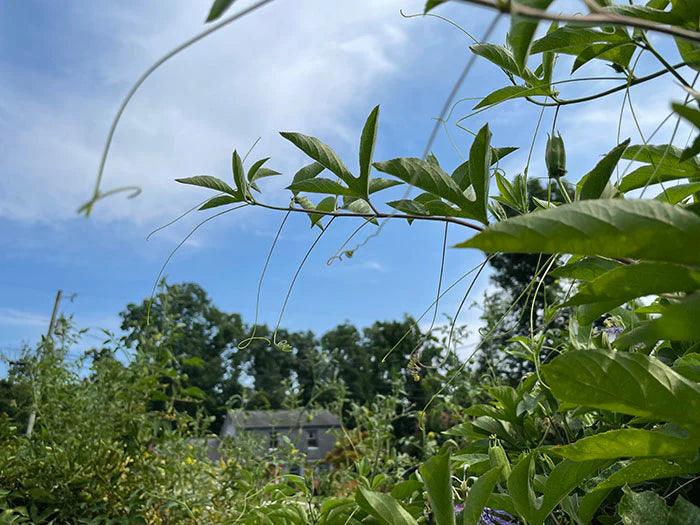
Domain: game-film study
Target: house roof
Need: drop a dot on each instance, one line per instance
(250, 419)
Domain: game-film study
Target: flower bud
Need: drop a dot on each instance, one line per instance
(555, 157)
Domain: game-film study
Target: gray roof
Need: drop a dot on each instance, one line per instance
(249, 419)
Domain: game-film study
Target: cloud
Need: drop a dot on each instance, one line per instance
(13, 317)
(306, 65)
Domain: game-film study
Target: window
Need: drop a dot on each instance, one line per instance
(274, 440)
(311, 439)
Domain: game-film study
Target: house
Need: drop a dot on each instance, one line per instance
(311, 432)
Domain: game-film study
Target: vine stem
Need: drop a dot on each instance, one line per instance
(516, 9)
(378, 215)
(97, 195)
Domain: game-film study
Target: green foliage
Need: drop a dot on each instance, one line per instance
(592, 409)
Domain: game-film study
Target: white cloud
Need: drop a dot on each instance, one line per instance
(13, 317)
(308, 66)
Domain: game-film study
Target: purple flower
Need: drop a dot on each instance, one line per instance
(613, 332)
(496, 517)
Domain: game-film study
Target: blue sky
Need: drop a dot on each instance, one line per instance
(311, 66)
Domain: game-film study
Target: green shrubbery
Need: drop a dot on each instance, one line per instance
(604, 425)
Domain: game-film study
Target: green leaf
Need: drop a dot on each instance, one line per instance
(239, 173)
(461, 173)
(425, 176)
(327, 204)
(511, 93)
(630, 383)
(503, 58)
(520, 488)
(684, 513)
(649, 175)
(479, 163)
(383, 507)
(436, 476)
(646, 13)
(194, 362)
(643, 508)
(593, 183)
(585, 269)
(564, 478)
(678, 322)
(689, 51)
(590, 503)
(637, 280)
(206, 181)
(194, 392)
(663, 155)
(522, 30)
(619, 53)
(306, 203)
(308, 172)
(626, 443)
(255, 167)
(410, 207)
(688, 365)
(218, 8)
(676, 194)
(367, 140)
(322, 154)
(379, 184)
(690, 114)
(640, 229)
(431, 4)
(640, 470)
(221, 200)
(479, 495)
(319, 185)
(360, 206)
(572, 40)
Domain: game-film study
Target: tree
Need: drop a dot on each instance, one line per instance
(182, 321)
(519, 291)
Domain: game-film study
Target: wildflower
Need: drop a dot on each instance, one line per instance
(496, 517)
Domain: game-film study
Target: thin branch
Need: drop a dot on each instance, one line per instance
(379, 215)
(608, 18)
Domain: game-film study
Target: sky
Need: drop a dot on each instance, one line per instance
(311, 66)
